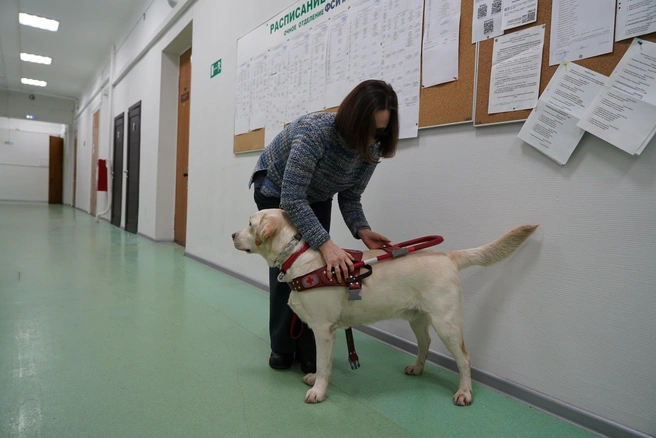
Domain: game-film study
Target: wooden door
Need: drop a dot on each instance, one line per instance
(94, 163)
(117, 171)
(182, 166)
(134, 155)
(56, 172)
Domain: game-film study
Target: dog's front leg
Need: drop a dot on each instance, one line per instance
(324, 336)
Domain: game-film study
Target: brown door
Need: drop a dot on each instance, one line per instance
(94, 163)
(182, 166)
(56, 177)
(75, 170)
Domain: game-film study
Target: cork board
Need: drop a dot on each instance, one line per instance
(453, 102)
(604, 64)
(443, 104)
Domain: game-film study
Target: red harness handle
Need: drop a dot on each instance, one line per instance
(401, 249)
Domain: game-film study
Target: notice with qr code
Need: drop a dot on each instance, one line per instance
(516, 66)
(487, 19)
(518, 13)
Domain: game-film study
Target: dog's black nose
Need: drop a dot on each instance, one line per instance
(233, 236)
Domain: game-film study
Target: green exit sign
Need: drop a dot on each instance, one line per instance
(215, 69)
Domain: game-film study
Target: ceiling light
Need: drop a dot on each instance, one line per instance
(33, 82)
(30, 117)
(39, 22)
(35, 58)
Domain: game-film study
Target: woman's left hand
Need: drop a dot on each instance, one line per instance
(373, 240)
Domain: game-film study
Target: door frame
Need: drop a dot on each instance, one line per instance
(95, 139)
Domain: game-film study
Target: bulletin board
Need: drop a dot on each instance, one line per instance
(604, 64)
(442, 104)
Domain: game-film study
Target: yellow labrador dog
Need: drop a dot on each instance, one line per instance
(423, 288)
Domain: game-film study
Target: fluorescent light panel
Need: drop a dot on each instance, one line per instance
(38, 22)
(35, 58)
(33, 82)
(30, 116)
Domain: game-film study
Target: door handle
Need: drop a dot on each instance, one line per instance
(125, 172)
(185, 175)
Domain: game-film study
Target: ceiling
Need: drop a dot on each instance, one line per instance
(79, 49)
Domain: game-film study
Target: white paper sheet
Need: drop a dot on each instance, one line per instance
(441, 42)
(299, 73)
(624, 112)
(581, 29)
(337, 64)
(635, 18)
(366, 36)
(487, 20)
(551, 126)
(516, 64)
(260, 91)
(402, 24)
(518, 13)
(319, 52)
(278, 86)
(243, 98)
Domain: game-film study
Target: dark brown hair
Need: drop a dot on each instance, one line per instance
(356, 123)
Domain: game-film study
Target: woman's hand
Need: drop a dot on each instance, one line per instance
(373, 240)
(337, 259)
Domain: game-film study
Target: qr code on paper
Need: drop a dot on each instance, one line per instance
(496, 6)
(482, 11)
(488, 26)
(530, 16)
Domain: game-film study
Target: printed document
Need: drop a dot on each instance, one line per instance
(441, 42)
(487, 19)
(516, 65)
(635, 18)
(624, 112)
(581, 29)
(551, 127)
(518, 13)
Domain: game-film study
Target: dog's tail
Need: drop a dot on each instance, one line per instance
(493, 252)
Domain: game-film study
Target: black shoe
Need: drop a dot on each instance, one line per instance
(281, 361)
(308, 363)
(308, 367)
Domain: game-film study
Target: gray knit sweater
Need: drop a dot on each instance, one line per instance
(309, 162)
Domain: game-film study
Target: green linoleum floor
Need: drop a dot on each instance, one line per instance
(107, 334)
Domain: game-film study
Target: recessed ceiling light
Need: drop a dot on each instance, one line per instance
(33, 82)
(39, 22)
(35, 58)
(30, 116)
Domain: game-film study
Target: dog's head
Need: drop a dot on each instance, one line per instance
(266, 234)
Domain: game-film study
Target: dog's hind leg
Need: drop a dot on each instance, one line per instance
(450, 333)
(324, 335)
(420, 328)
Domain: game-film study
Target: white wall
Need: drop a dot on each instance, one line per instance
(24, 164)
(571, 315)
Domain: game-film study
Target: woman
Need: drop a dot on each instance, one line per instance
(314, 158)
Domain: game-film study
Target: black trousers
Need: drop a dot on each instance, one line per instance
(280, 314)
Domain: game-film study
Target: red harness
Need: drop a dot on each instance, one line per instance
(319, 277)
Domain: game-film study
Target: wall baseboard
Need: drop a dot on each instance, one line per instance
(153, 239)
(538, 400)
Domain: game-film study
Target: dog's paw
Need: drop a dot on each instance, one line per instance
(314, 396)
(414, 369)
(462, 398)
(309, 379)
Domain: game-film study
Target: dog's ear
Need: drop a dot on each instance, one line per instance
(266, 229)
